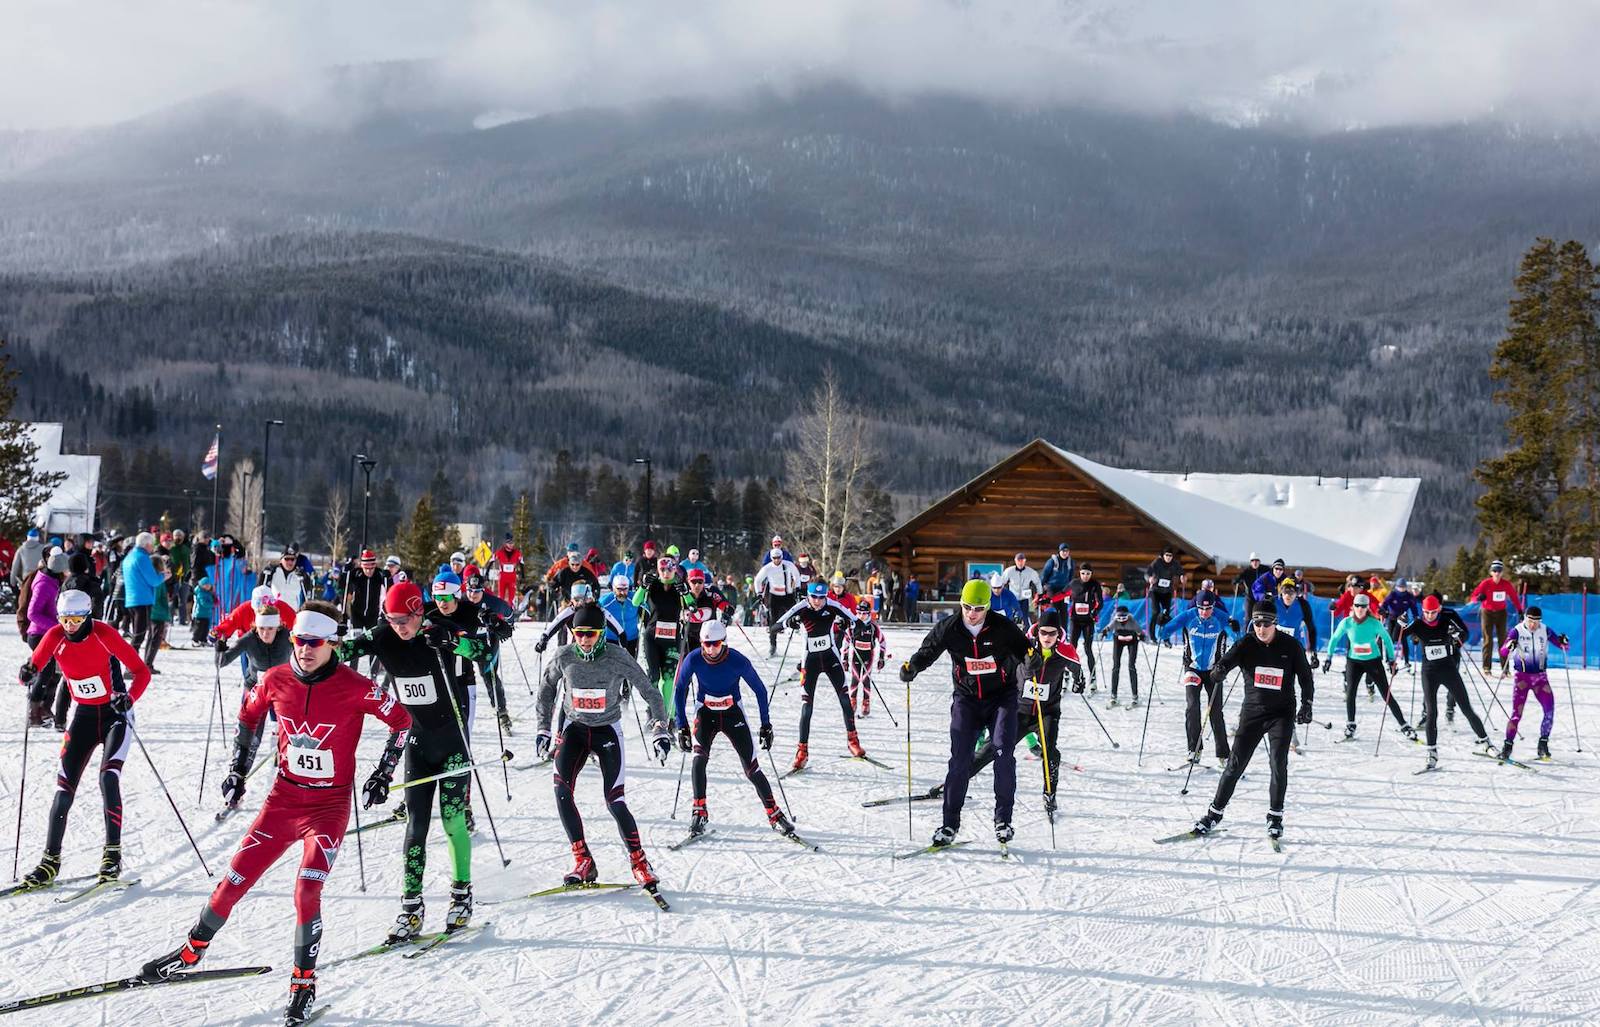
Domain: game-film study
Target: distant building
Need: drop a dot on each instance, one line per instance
(71, 507)
(1119, 519)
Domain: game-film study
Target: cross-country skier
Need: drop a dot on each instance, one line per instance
(469, 612)
(1439, 635)
(1125, 634)
(1084, 599)
(778, 584)
(508, 558)
(617, 607)
(1272, 662)
(1206, 634)
(819, 615)
(1529, 652)
(91, 657)
(986, 651)
(1492, 595)
(863, 643)
(420, 655)
(594, 680)
(1371, 653)
(320, 706)
(710, 677)
(363, 592)
(582, 595)
(1161, 578)
(700, 606)
(659, 599)
(1295, 616)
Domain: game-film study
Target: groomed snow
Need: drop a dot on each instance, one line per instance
(1466, 896)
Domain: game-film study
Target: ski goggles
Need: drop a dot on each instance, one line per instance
(445, 597)
(71, 622)
(1049, 632)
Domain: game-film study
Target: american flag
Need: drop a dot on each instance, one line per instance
(208, 467)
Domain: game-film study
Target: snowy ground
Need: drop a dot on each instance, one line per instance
(1464, 896)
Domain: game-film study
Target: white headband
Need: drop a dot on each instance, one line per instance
(268, 618)
(311, 624)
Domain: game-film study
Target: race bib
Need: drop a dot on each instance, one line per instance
(718, 702)
(589, 700)
(1360, 648)
(1081, 609)
(1499, 597)
(1270, 678)
(1037, 691)
(508, 568)
(1436, 652)
(666, 629)
(87, 688)
(865, 647)
(1163, 583)
(416, 691)
(981, 665)
(818, 643)
(1191, 679)
(308, 764)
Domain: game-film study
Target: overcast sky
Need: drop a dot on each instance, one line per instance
(1329, 64)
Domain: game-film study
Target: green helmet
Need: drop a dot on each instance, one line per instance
(975, 593)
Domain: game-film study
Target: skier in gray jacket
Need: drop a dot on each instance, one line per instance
(595, 679)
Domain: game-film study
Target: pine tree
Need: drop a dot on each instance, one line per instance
(1520, 510)
(1576, 310)
(418, 541)
(521, 529)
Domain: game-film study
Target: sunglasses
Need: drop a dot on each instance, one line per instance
(308, 643)
(972, 609)
(1263, 622)
(586, 632)
(1048, 633)
(708, 644)
(444, 597)
(402, 619)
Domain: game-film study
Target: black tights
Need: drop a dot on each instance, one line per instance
(606, 744)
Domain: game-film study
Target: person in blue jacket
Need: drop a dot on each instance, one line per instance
(1294, 615)
(617, 603)
(1004, 602)
(1401, 607)
(1265, 590)
(1206, 635)
(1059, 572)
(140, 579)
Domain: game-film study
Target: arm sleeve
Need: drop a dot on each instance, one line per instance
(1310, 618)
(1341, 630)
(392, 712)
(1477, 593)
(1388, 645)
(45, 651)
(794, 611)
(1178, 623)
(1515, 599)
(680, 698)
(639, 682)
(120, 650)
(753, 679)
(233, 653)
(615, 624)
(932, 644)
(555, 625)
(1302, 671)
(545, 704)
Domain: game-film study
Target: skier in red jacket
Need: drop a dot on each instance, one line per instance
(1492, 595)
(508, 560)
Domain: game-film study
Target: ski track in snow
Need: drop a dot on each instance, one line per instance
(1466, 896)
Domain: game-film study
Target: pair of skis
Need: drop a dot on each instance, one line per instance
(651, 890)
(134, 983)
(411, 948)
(692, 837)
(1005, 851)
(92, 885)
(1191, 834)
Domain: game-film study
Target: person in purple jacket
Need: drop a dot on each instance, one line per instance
(1529, 651)
(41, 617)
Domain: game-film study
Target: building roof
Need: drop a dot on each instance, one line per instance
(1342, 524)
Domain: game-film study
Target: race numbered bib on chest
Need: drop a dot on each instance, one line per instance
(1499, 597)
(865, 647)
(981, 665)
(1270, 678)
(1360, 649)
(718, 702)
(1081, 609)
(508, 568)
(818, 643)
(589, 700)
(1191, 679)
(416, 691)
(667, 629)
(1037, 691)
(308, 763)
(1436, 651)
(1163, 583)
(87, 688)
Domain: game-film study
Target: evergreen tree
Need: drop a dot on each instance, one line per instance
(501, 512)
(384, 517)
(444, 503)
(1576, 313)
(450, 542)
(754, 512)
(417, 543)
(521, 530)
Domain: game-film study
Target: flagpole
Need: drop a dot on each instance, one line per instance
(215, 479)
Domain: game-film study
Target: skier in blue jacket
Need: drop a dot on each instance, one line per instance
(1206, 634)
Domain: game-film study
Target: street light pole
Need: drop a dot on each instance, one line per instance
(191, 493)
(266, 455)
(649, 490)
(699, 534)
(367, 464)
(350, 495)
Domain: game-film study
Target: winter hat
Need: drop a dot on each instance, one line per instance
(620, 579)
(1279, 565)
(590, 617)
(368, 556)
(475, 582)
(403, 598)
(391, 561)
(447, 583)
(996, 582)
(697, 575)
(33, 532)
(817, 588)
(1122, 613)
(1063, 548)
(776, 554)
(572, 548)
(1050, 618)
(672, 551)
(975, 593)
(1264, 611)
(261, 595)
(1534, 613)
(57, 564)
(1362, 601)
(508, 536)
(1496, 565)
(73, 603)
(458, 557)
(1431, 604)
(713, 631)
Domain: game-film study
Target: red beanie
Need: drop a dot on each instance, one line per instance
(403, 598)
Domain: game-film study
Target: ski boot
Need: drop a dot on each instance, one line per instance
(1003, 832)
(942, 837)
(1194, 758)
(641, 870)
(110, 863)
(1049, 803)
(936, 791)
(1409, 731)
(1134, 704)
(1035, 750)
(1349, 730)
(698, 817)
(583, 871)
(43, 875)
(1433, 758)
(1208, 823)
(184, 957)
(1544, 748)
(801, 753)
(408, 923)
(1274, 825)
(779, 822)
(1505, 753)
(1485, 746)
(459, 914)
(855, 744)
(1222, 763)
(505, 721)
(1112, 704)
(1449, 716)
(302, 992)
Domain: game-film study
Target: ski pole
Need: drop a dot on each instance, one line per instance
(1572, 704)
(637, 720)
(524, 670)
(168, 794)
(1044, 749)
(1386, 701)
(1114, 743)
(216, 705)
(882, 702)
(361, 862)
(781, 792)
(457, 772)
(22, 787)
(499, 728)
(911, 831)
(777, 679)
(1150, 700)
(1194, 754)
(679, 790)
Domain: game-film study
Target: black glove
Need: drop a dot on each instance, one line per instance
(765, 736)
(1304, 716)
(1327, 664)
(541, 745)
(376, 791)
(1077, 682)
(662, 746)
(906, 673)
(1394, 668)
(120, 703)
(233, 788)
(1216, 676)
(685, 739)
(1233, 624)
(540, 645)
(220, 643)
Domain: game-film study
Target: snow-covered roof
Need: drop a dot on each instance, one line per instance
(1344, 524)
(71, 507)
